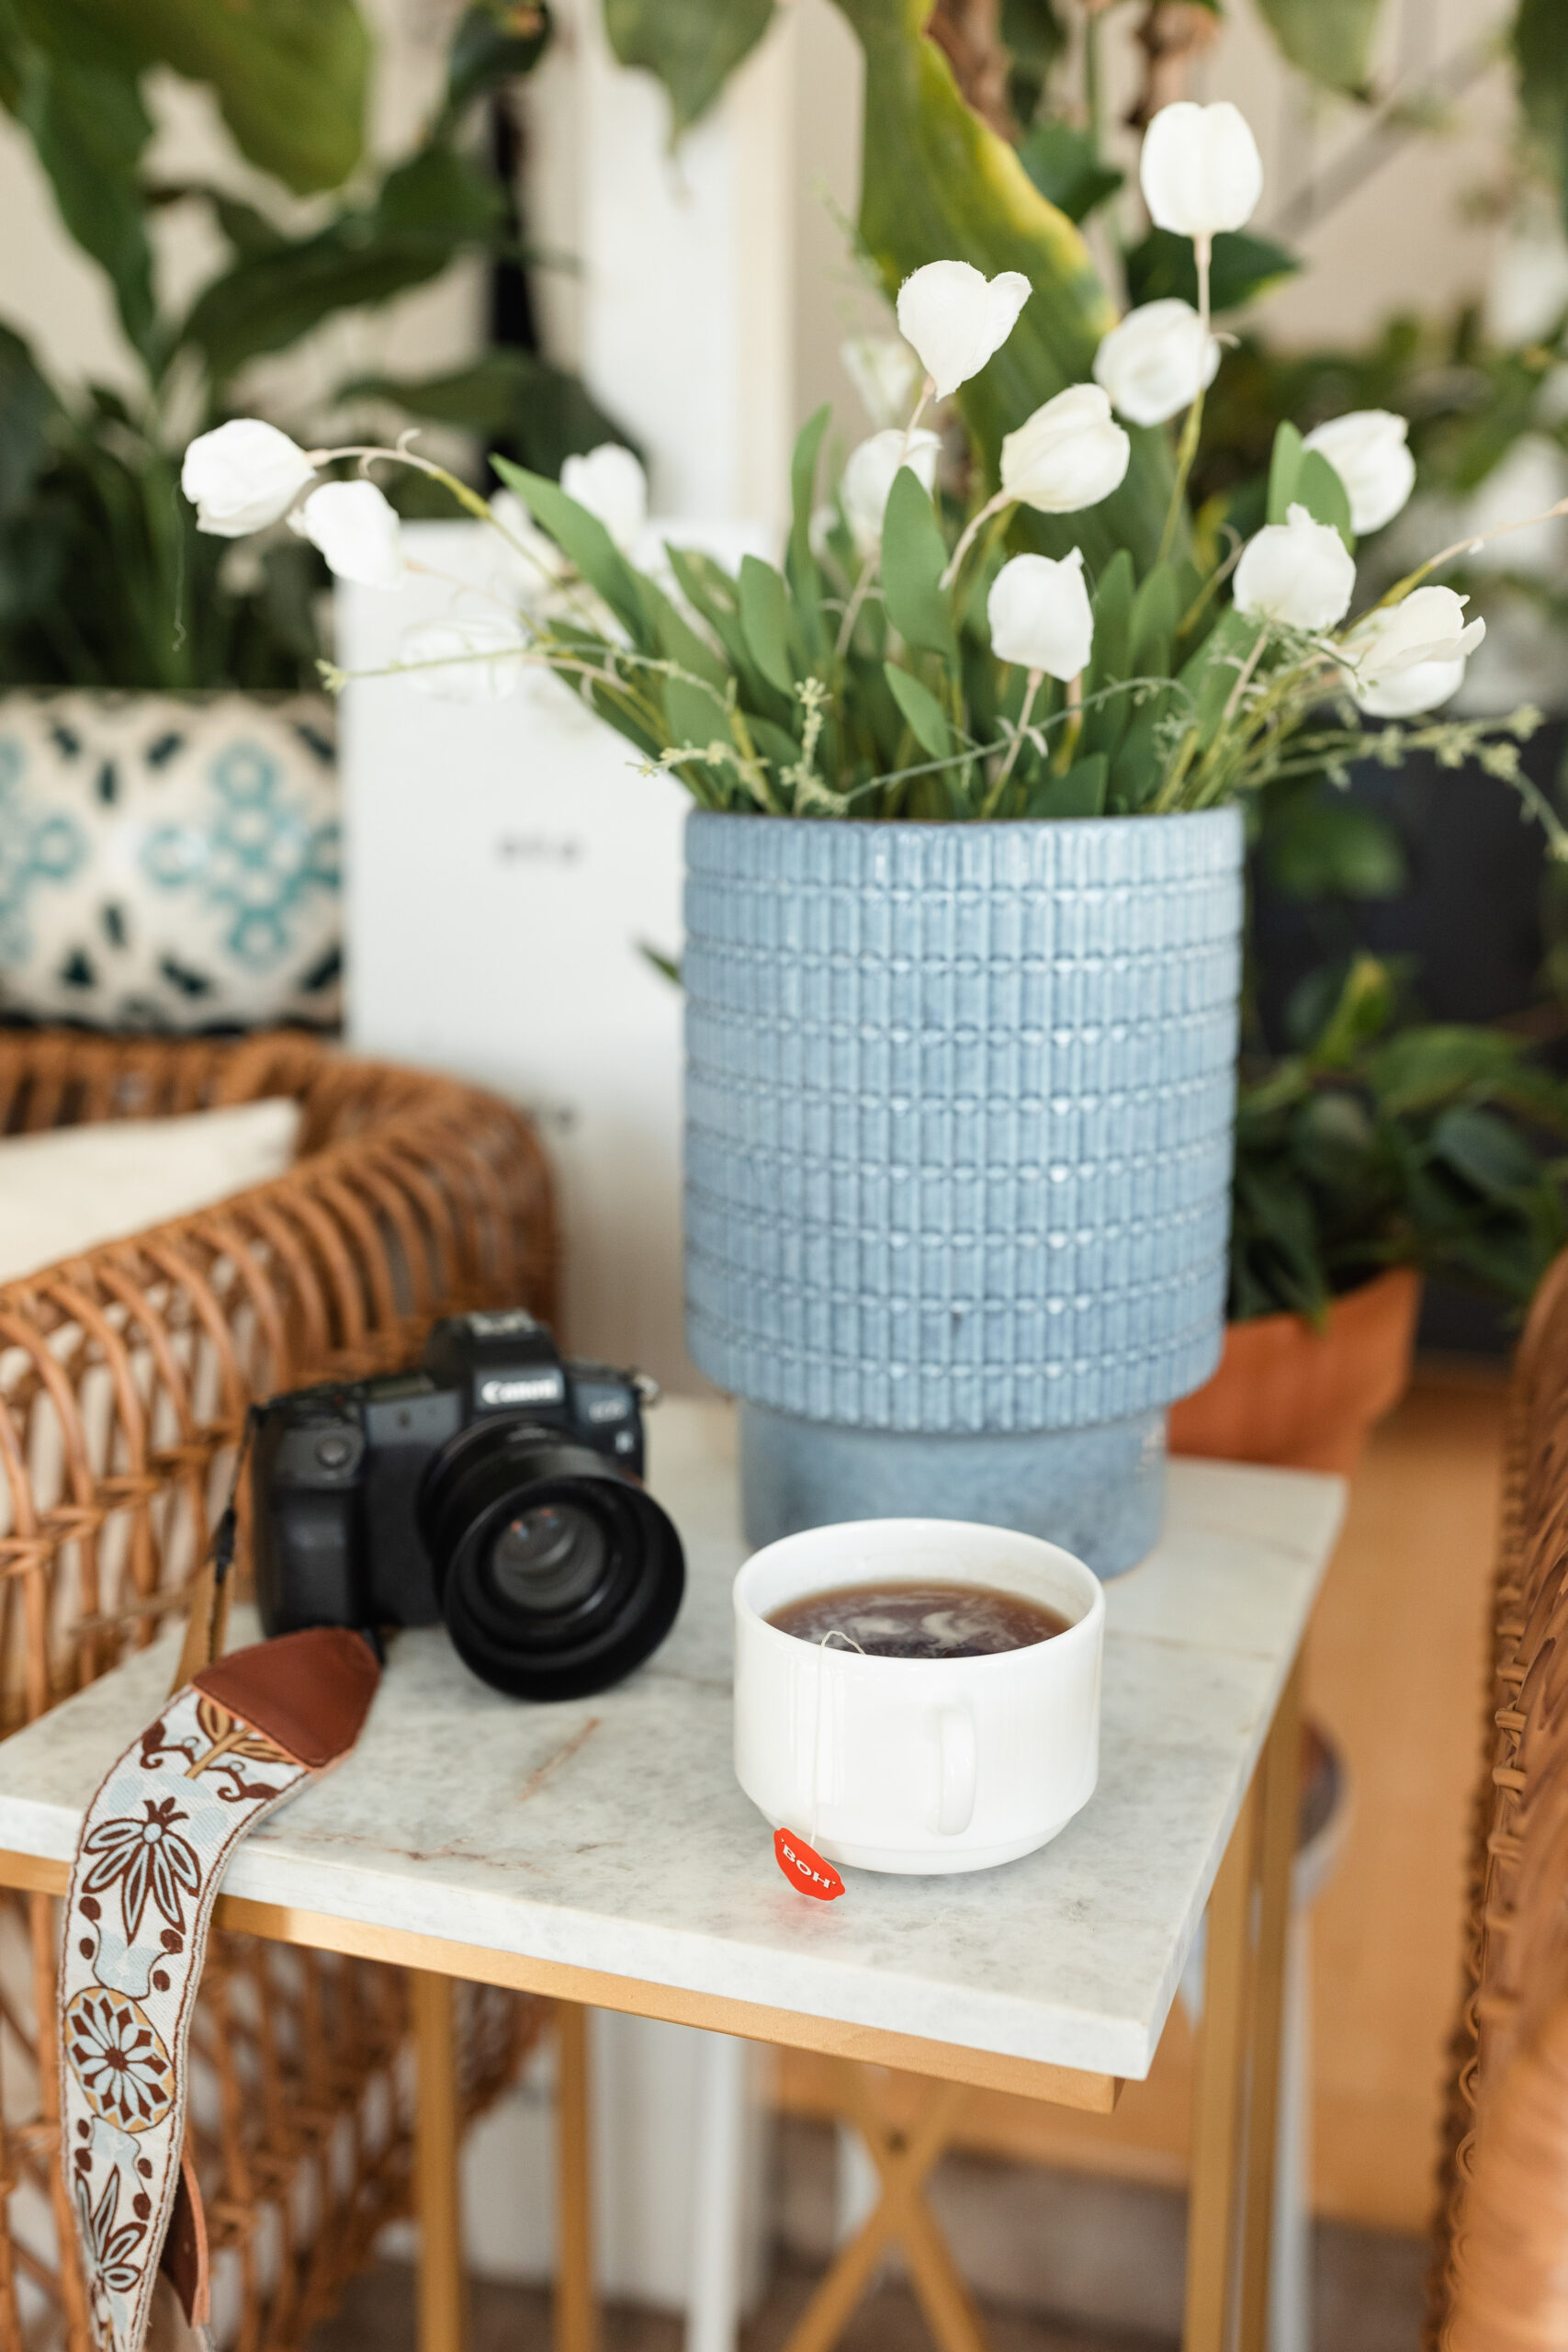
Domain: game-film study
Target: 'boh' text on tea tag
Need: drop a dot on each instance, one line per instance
(805, 1869)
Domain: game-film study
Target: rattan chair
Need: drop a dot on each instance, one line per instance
(124, 1378)
(1500, 2277)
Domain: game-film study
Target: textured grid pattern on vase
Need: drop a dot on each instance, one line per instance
(959, 1107)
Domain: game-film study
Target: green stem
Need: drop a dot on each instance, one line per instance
(1188, 448)
(992, 801)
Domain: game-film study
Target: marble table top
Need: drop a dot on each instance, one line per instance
(610, 1833)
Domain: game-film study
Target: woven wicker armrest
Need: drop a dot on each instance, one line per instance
(125, 1374)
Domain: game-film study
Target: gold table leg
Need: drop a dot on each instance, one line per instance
(1279, 1808)
(576, 2307)
(442, 2313)
(903, 2161)
(1230, 2217)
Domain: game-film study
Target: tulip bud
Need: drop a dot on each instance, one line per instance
(1156, 362)
(1201, 171)
(243, 475)
(957, 318)
(357, 532)
(1367, 450)
(1068, 454)
(1409, 657)
(448, 662)
(884, 372)
(1040, 614)
(867, 482)
(1298, 571)
(610, 482)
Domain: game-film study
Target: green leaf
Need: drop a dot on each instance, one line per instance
(693, 46)
(1063, 162)
(583, 539)
(1284, 470)
(440, 196)
(1540, 63)
(540, 412)
(27, 405)
(1242, 268)
(1106, 722)
(800, 563)
(1156, 609)
(291, 77)
(693, 716)
(495, 42)
(1334, 847)
(1302, 477)
(914, 557)
(936, 184)
(89, 128)
(1362, 1010)
(1079, 793)
(928, 720)
(1422, 1068)
(1486, 1151)
(1210, 674)
(1330, 40)
(765, 618)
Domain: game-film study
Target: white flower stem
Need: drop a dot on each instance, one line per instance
(989, 805)
(852, 610)
(1203, 253)
(976, 524)
(1402, 588)
(927, 392)
(1068, 748)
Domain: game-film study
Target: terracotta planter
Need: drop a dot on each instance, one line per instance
(1307, 1400)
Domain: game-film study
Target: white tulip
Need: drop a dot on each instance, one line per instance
(243, 475)
(884, 372)
(1409, 657)
(957, 318)
(1201, 171)
(357, 532)
(1367, 450)
(1040, 614)
(611, 483)
(1298, 571)
(868, 477)
(448, 662)
(1071, 454)
(1156, 362)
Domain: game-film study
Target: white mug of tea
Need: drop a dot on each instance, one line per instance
(918, 1694)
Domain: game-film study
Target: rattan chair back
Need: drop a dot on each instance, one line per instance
(125, 1374)
(1500, 2277)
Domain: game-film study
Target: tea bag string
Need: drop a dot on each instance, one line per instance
(834, 1633)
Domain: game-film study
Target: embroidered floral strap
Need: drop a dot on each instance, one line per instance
(234, 1745)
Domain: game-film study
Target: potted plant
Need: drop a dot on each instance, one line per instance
(964, 914)
(168, 808)
(1376, 1156)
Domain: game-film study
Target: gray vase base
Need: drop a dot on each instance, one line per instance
(1097, 1492)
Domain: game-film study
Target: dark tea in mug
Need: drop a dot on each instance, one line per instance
(921, 1621)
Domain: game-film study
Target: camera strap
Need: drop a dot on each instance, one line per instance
(240, 1738)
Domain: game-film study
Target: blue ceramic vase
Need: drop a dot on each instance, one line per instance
(959, 1117)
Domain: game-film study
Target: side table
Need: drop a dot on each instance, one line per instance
(601, 1852)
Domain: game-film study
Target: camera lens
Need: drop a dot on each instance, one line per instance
(556, 1573)
(549, 1558)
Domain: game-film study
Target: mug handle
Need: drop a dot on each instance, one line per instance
(955, 1752)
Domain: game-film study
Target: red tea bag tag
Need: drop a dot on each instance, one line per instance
(805, 1869)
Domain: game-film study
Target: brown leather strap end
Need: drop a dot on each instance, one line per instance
(184, 2258)
(308, 1693)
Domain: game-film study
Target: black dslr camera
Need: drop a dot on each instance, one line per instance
(496, 1490)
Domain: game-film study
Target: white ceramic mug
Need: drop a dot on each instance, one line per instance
(918, 1764)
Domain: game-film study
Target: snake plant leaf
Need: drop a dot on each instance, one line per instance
(937, 185)
(693, 46)
(928, 720)
(914, 557)
(1245, 266)
(765, 618)
(1330, 40)
(583, 539)
(291, 77)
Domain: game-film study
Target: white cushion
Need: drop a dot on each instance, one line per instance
(66, 1189)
